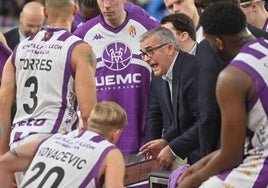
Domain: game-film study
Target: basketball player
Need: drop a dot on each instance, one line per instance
(89, 9)
(81, 158)
(242, 93)
(121, 75)
(49, 75)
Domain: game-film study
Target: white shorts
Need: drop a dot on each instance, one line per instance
(252, 173)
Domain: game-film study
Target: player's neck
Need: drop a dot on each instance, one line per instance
(261, 20)
(236, 42)
(61, 22)
(62, 25)
(114, 23)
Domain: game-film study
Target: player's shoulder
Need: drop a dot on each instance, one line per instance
(82, 30)
(113, 154)
(147, 21)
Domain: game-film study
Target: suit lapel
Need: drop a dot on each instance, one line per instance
(176, 79)
(166, 94)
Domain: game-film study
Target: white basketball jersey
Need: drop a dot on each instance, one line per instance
(45, 98)
(253, 59)
(253, 171)
(68, 160)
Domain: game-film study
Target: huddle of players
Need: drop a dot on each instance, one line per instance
(75, 73)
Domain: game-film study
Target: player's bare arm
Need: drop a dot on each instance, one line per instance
(114, 169)
(7, 98)
(84, 65)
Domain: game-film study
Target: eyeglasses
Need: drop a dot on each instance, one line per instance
(150, 52)
(248, 3)
(245, 4)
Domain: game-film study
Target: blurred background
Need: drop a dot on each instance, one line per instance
(10, 10)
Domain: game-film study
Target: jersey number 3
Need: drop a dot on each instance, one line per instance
(31, 81)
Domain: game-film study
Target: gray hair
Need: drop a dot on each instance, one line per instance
(162, 34)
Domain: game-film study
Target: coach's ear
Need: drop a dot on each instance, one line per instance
(219, 43)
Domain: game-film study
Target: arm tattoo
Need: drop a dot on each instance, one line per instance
(92, 59)
(14, 153)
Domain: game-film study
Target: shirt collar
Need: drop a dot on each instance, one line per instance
(193, 51)
(169, 75)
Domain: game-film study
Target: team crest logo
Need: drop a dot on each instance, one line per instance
(48, 35)
(132, 31)
(116, 56)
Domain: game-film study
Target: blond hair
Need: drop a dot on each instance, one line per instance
(107, 116)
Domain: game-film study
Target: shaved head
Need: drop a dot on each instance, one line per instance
(31, 18)
(33, 10)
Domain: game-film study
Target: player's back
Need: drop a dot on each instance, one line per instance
(45, 98)
(68, 160)
(253, 59)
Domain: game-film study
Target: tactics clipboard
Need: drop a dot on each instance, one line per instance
(140, 171)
